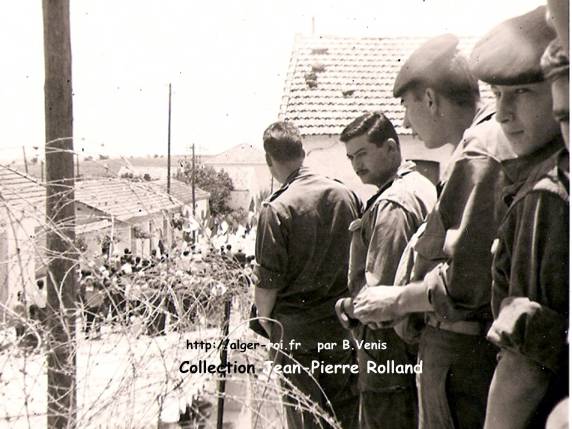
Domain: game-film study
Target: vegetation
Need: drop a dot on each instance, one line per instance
(217, 183)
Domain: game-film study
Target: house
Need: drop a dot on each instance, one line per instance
(134, 215)
(137, 214)
(246, 166)
(184, 193)
(22, 211)
(331, 80)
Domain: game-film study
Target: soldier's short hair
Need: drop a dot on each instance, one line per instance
(283, 142)
(373, 124)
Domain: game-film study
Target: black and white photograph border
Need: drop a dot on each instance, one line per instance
(132, 174)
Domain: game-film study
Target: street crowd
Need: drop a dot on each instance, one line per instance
(179, 287)
(154, 295)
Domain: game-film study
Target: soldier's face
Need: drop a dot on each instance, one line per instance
(373, 164)
(419, 119)
(561, 106)
(525, 115)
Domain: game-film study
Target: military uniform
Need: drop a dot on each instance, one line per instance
(531, 292)
(391, 216)
(530, 270)
(302, 249)
(453, 259)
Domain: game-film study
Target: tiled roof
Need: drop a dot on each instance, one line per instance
(118, 197)
(20, 191)
(332, 79)
(180, 190)
(239, 154)
(124, 199)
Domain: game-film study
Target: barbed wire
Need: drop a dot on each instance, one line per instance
(135, 313)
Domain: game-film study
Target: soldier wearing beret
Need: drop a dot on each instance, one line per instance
(450, 281)
(556, 69)
(530, 297)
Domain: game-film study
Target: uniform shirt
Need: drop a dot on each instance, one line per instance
(453, 255)
(302, 248)
(531, 260)
(391, 217)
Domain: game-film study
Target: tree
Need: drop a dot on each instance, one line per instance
(217, 183)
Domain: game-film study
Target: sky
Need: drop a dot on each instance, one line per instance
(226, 62)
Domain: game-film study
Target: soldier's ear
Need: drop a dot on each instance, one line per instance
(391, 144)
(268, 159)
(431, 99)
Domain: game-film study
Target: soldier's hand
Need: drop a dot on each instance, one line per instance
(379, 325)
(342, 312)
(377, 304)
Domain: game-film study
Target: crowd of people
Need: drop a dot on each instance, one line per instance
(181, 287)
(153, 295)
(468, 279)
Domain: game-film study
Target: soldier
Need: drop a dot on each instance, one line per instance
(530, 298)
(451, 276)
(391, 216)
(302, 248)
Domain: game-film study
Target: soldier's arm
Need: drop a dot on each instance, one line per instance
(386, 303)
(532, 310)
(393, 227)
(271, 262)
(265, 300)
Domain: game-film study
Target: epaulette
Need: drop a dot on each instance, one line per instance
(544, 178)
(551, 183)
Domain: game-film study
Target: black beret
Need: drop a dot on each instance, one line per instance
(510, 53)
(554, 61)
(437, 64)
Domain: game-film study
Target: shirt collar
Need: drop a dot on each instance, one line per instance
(405, 168)
(299, 172)
(518, 170)
(484, 113)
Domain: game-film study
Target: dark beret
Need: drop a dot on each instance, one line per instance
(437, 64)
(510, 53)
(554, 61)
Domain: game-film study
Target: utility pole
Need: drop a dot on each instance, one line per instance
(60, 216)
(193, 192)
(25, 159)
(169, 147)
(193, 180)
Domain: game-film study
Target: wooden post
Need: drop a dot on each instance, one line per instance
(193, 181)
(169, 147)
(193, 193)
(60, 216)
(25, 159)
(221, 389)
